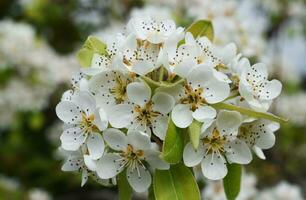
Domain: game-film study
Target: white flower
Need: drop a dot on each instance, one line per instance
(85, 122)
(177, 58)
(79, 82)
(111, 61)
(134, 152)
(216, 57)
(79, 161)
(155, 30)
(217, 141)
(109, 88)
(201, 90)
(140, 57)
(258, 135)
(255, 88)
(143, 112)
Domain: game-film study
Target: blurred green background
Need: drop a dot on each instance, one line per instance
(38, 41)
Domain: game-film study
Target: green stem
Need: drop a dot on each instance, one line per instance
(162, 83)
(161, 74)
(249, 112)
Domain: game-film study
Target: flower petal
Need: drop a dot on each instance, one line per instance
(191, 156)
(121, 115)
(154, 160)
(72, 163)
(115, 138)
(138, 140)
(182, 115)
(109, 166)
(89, 162)
(101, 120)
(140, 180)
(160, 126)
(86, 102)
(72, 139)
(68, 112)
(138, 93)
(162, 102)
(258, 151)
(238, 151)
(228, 122)
(204, 112)
(270, 90)
(214, 167)
(95, 145)
(215, 91)
(84, 177)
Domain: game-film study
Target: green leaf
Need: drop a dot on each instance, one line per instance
(177, 183)
(173, 145)
(194, 133)
(232, 181)
(84, 57)
(125, 190)
(202, 28)
(249, 112)
(91, 46)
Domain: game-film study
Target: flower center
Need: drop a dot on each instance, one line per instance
(119, 91)
(193, 97)
(215, 142)
(87, 124)
(145, 115)
(132, 158)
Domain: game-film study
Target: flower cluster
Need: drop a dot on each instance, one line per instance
(117, 113)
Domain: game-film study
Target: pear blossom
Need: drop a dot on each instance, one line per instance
(201, 90)
(79, 161)
(258, 135)
(84, 124)
(140, 57)
(110, 88)
(153, 30)
(79, 82)
(217, 142)
(110, 61)
(143, 112)
(133, 152)
(255, 88)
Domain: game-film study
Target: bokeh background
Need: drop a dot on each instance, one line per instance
(38, 41)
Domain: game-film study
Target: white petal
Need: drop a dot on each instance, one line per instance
(84, 177)
(183, 68)
(191, 157)
(214, 167)
(138, 93)
(257, 73)
(174, 91)
(115, 138)
(160, 126)
(86, 102)
(109, 166)
(182, 115)
(270, 90)
(140, 180)
(72, 138)
(154, 160)
(204, 112)
(238, 151)
(265, 140)
(216, 91)
(162, 102)
(138, 140)
(121, 115)
(95, 145)
(101, 120)
(89, 162)
(72, 163)
(200, 76)
(228, 122)
(207, 123)
(142, 67)
(259, 152)
(68, 112)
